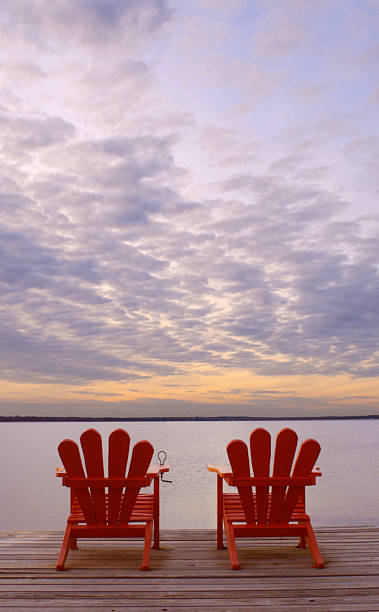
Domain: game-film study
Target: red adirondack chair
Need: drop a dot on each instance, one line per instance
(267, 506)
(110, 506)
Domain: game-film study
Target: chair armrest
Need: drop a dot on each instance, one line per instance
(221, 470)
(316, 472)
(156, 469)
(60, 473)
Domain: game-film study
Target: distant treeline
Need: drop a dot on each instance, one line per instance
(17, 418)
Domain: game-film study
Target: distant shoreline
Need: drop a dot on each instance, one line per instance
(33, 419)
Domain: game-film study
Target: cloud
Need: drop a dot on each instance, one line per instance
(141, 241)
(110, 254)
(284, 28)
(47, 24)
(28, 134)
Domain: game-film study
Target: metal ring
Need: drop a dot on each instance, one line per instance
(164, 454)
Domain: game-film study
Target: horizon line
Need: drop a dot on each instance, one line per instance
(19, 418)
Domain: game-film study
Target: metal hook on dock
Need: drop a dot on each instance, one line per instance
(162, 456)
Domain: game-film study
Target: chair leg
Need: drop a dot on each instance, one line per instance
(147, 546)
(229, 533)
(313, 547)
(156, 541)
(64, 549)
(74, 544)
(302, 542)
(220, 509)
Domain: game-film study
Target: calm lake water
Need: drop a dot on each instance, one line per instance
(346, 494)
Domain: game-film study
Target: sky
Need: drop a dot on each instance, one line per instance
(189, 214)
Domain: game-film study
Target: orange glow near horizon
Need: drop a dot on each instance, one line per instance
(236, 387)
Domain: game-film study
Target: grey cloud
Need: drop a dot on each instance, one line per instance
(88, 21)
(24, 70)
(32, 358)
(24, 263)
(344, 306)
(331, 322)
(117, 162)
(109, 273)
(21, 133)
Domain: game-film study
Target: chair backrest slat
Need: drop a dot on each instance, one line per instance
(305, 461)
(139, 463)
(118, 451)
(285, 447)
(260, 449)
(93, 456)
(70, 456)
(239, 461)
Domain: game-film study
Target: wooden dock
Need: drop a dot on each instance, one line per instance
(188, 574)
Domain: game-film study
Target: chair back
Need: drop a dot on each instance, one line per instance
(270, 496)
(105, 500)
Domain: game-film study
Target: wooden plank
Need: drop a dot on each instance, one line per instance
(198, 589)
(350, 607)
(168, 603)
